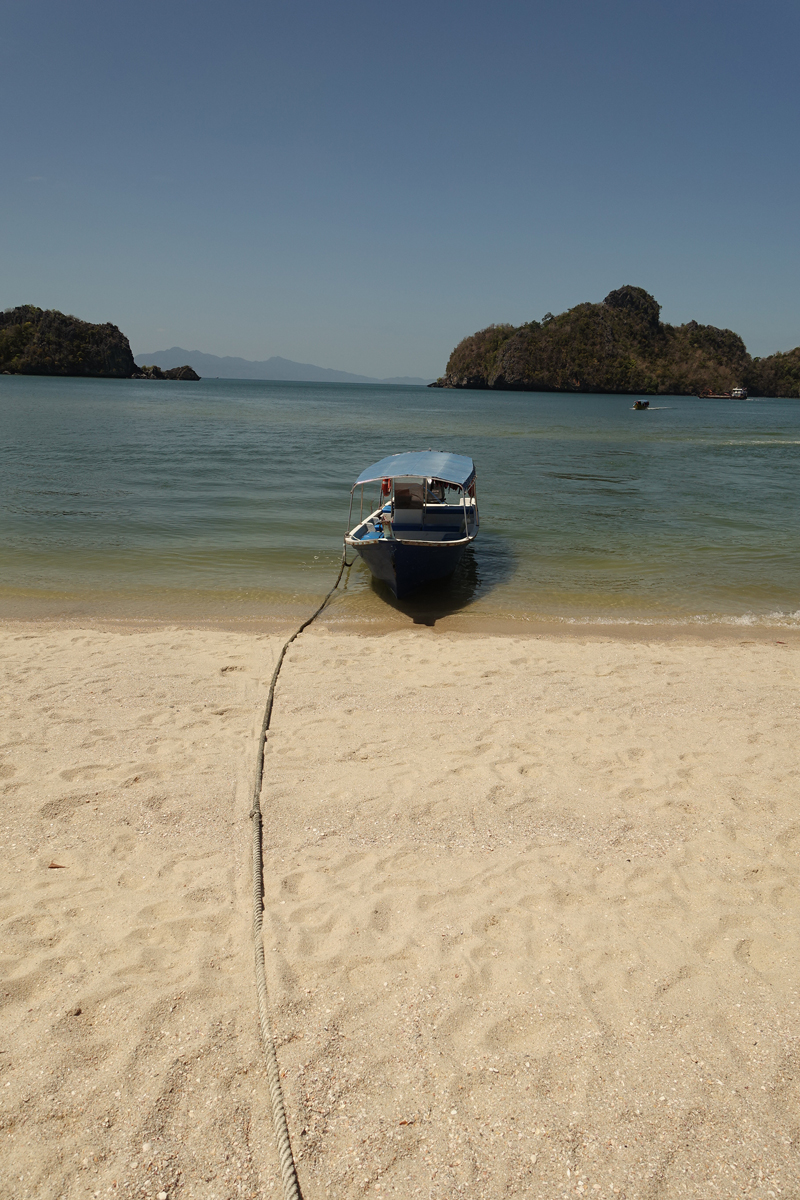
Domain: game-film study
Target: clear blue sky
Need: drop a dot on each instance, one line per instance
(360, 185)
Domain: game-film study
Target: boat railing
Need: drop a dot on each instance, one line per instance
(418, 515)
(404, 533)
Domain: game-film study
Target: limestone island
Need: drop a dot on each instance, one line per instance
(618, 346)
(36, 341)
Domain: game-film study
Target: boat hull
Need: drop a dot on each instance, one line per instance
(406, 568)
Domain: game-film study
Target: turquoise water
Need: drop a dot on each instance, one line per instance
(229, 498)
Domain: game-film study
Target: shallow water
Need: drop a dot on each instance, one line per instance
(228, 498)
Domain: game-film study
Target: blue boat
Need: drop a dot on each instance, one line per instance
(425, 515)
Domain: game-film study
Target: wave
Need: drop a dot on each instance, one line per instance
(773, 620)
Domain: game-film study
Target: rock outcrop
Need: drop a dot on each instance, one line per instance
(173, 373)
(618, 346)
(35, 341)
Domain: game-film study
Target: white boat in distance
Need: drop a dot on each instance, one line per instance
(425, 515)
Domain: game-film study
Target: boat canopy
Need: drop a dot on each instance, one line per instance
(455, 469)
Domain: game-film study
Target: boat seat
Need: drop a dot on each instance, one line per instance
(452, 523)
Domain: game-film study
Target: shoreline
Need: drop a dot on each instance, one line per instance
(457, 625)
(530, 912)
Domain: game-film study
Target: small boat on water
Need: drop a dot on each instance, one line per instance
(737, 393)
(638, 404)
(425, 515)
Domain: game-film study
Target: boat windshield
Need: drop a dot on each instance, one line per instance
(409, 493)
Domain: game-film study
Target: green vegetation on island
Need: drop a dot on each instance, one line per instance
(36, 341)
(620, 346)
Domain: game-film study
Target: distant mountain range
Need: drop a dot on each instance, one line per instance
(214, 367)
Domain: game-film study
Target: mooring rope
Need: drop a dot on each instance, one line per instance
(291, 1184)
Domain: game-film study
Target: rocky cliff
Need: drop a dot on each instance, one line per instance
(620, 345)
(35, 341)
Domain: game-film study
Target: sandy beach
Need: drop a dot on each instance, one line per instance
(531, 918)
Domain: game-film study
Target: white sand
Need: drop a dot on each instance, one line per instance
(531, 927)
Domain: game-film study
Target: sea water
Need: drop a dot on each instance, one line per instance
(228, 499)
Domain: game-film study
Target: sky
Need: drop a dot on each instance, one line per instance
(361, 185)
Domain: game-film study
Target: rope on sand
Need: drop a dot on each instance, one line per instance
(291, 1184)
